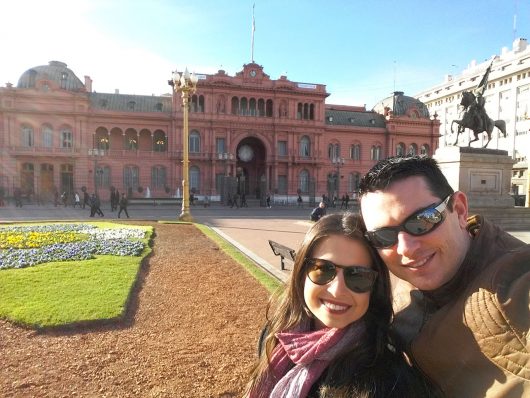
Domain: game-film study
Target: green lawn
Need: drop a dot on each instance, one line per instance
(70, 292)
(271, 284)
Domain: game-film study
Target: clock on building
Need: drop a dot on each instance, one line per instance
(246, 153)
(253, 73)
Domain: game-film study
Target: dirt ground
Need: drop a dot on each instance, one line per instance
(191, 331)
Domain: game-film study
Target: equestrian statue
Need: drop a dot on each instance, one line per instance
(475, 117)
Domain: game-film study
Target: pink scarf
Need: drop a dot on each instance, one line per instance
(301, 357)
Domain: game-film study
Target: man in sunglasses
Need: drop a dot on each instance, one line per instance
(462, 297)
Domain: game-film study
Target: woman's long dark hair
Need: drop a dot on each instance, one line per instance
(289, 310)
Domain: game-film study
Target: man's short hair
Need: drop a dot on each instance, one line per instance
(397, 168)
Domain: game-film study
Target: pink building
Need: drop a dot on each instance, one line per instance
(247, 134)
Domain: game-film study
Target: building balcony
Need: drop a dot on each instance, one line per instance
(42, 151)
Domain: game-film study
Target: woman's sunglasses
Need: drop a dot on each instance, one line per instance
(420, 223)
(358, 279)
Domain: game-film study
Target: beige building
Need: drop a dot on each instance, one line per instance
(507, 98)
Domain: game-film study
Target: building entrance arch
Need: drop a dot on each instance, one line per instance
(251, 167)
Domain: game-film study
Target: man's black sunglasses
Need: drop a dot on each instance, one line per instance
(358, 279)
(420, 223)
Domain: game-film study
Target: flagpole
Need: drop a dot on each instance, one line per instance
(253, 29)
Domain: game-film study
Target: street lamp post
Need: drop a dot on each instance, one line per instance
(186, 84)
(338, 162)
(95, 153)
(226, 158)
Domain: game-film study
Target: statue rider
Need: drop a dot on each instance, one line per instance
(477, 109)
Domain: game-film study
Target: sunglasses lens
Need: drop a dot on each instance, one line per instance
(359, 282)
(423, 222)
(321, 272)
(384, 237)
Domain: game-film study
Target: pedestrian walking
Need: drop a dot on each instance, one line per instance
(86, 199)
(64, 198)
(77, 200)
(268, 200)
(18, 197)
(244, 200)
(299, 201)
(123, 205)
(95, 206)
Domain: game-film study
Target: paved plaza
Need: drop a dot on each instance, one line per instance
(249, 229)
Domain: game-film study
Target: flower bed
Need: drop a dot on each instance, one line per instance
(25, 246)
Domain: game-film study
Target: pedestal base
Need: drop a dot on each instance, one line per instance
(482, 174)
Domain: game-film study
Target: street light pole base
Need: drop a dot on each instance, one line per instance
(186, 217)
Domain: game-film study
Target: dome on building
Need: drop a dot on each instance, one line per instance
(55, 71)
(402, 105)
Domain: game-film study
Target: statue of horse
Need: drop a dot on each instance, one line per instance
(476, 119)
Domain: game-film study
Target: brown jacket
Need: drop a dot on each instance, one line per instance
(472, 334)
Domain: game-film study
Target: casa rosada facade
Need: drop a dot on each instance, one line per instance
(247, 134)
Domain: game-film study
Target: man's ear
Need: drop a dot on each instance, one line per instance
(460, 207)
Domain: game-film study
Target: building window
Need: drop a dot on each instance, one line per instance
(282, 148)
(355, 152)
(304, 181)
(375, 152)
(354, 180)
(132, 144)
(269, 108)
(131, 105)
(305, 111)
(195, 178)
(27, 136)
(282, 184)
(159, 141)
(66, 139)
(103, 176)
(220, 145)
(158, 177)
(195, 142)
(130, 178)
(413, 149)
(47, 137)
(197, 103)
(425, 150)
(103, 143)
(305, 146)
(400, 149)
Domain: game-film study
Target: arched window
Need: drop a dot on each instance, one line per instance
(195, 142)
(67, 138)
(261, 107)
(235, 105)
(425, 150)
(306, 111)
(355, 152)
(27, 177)
(333, 151)
(252, 107)
(27, 136)
(47, 137)
(305, 146)
(312, 112)
(195, 178)
(159, 141)
(400, 149)
(413, 149)
(243, 107)
(304, 181)
(158, 177)
(299, 111)
(269, 109)
(375, 152)
(330, 151)
(103, 143)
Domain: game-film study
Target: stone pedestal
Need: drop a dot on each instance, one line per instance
(482, 174)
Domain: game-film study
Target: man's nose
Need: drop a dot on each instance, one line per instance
(407, 244)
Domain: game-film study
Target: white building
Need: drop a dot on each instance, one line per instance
(507, 98)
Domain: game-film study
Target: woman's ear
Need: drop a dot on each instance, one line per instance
(460, 208)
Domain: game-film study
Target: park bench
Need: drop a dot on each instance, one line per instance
(283, 251)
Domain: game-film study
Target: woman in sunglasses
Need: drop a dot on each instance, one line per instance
(328, 333)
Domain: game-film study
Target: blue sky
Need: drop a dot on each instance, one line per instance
(361, 50)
